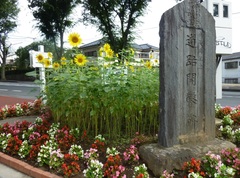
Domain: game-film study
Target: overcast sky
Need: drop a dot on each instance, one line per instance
(147, 32)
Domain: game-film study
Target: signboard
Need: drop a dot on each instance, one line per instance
(33, 60)
(223, 41)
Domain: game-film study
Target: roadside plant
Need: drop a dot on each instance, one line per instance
(94, 170)
(227, 120)
(237, 136)
(214, 167)
(113, 167)
(140, 171)
(99, 143)
(76, 150)
(70, 166)
(222, 111)
(4, 140)
(236, 116)
(194, 175)
(115, 98)
(56, 159)
(91, 154)
(44, 154)
(231, 158)
(112, 151)
(227, 132)
(166, 174)
(21, 109)
(64, 139)
(24, 149)
(13, 145)
(193, 166)
(131, 155)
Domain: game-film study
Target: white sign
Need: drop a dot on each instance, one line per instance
(223, 41)
(33, 60)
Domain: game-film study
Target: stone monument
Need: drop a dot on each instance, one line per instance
(187, 75)
(187, 88)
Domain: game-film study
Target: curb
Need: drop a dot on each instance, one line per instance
(25, 167)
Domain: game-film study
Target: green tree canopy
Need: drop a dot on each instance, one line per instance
(8, 14)
(115, 19)
(53, 18)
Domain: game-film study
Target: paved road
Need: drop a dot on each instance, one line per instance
(19, 89)
(230, 98)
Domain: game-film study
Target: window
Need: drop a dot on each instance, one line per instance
(225, 11)
(231, 80)
(215, 10)
(231, 65)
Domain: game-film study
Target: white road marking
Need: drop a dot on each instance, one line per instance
(17, 91)
(3, 89)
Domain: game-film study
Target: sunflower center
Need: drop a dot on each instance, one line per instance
(74, 39)
(80, 60)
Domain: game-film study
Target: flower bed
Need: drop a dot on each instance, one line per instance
(67, 152)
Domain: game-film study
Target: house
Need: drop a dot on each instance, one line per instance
(142, 51)
(231, 68)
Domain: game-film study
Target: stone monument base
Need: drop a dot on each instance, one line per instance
(158, 158)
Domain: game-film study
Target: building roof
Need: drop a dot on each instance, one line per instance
(231, 56)
(144, 47)
(94, 43)
(140, 47)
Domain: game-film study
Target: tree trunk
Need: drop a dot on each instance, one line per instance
(3, 76)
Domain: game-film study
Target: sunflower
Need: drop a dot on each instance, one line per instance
(46, 62)
(63, 61)
(56, 65)
(148, 64)
(109, 53)
(156, 62)
(80, 60)
(74, 39)
(50, 55)
(40, 58)
(106, 47)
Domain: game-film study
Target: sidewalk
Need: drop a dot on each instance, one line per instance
(7, 100)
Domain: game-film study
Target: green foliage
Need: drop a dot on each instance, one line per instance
(105, 97)
(8, 14)
(115, 19)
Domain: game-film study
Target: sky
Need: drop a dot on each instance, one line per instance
(147, 31)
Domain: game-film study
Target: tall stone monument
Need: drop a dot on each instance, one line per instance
(187, 89)
(187, 75)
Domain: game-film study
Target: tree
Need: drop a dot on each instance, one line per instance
(53, 18)
(115, 19)
(8, 14)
